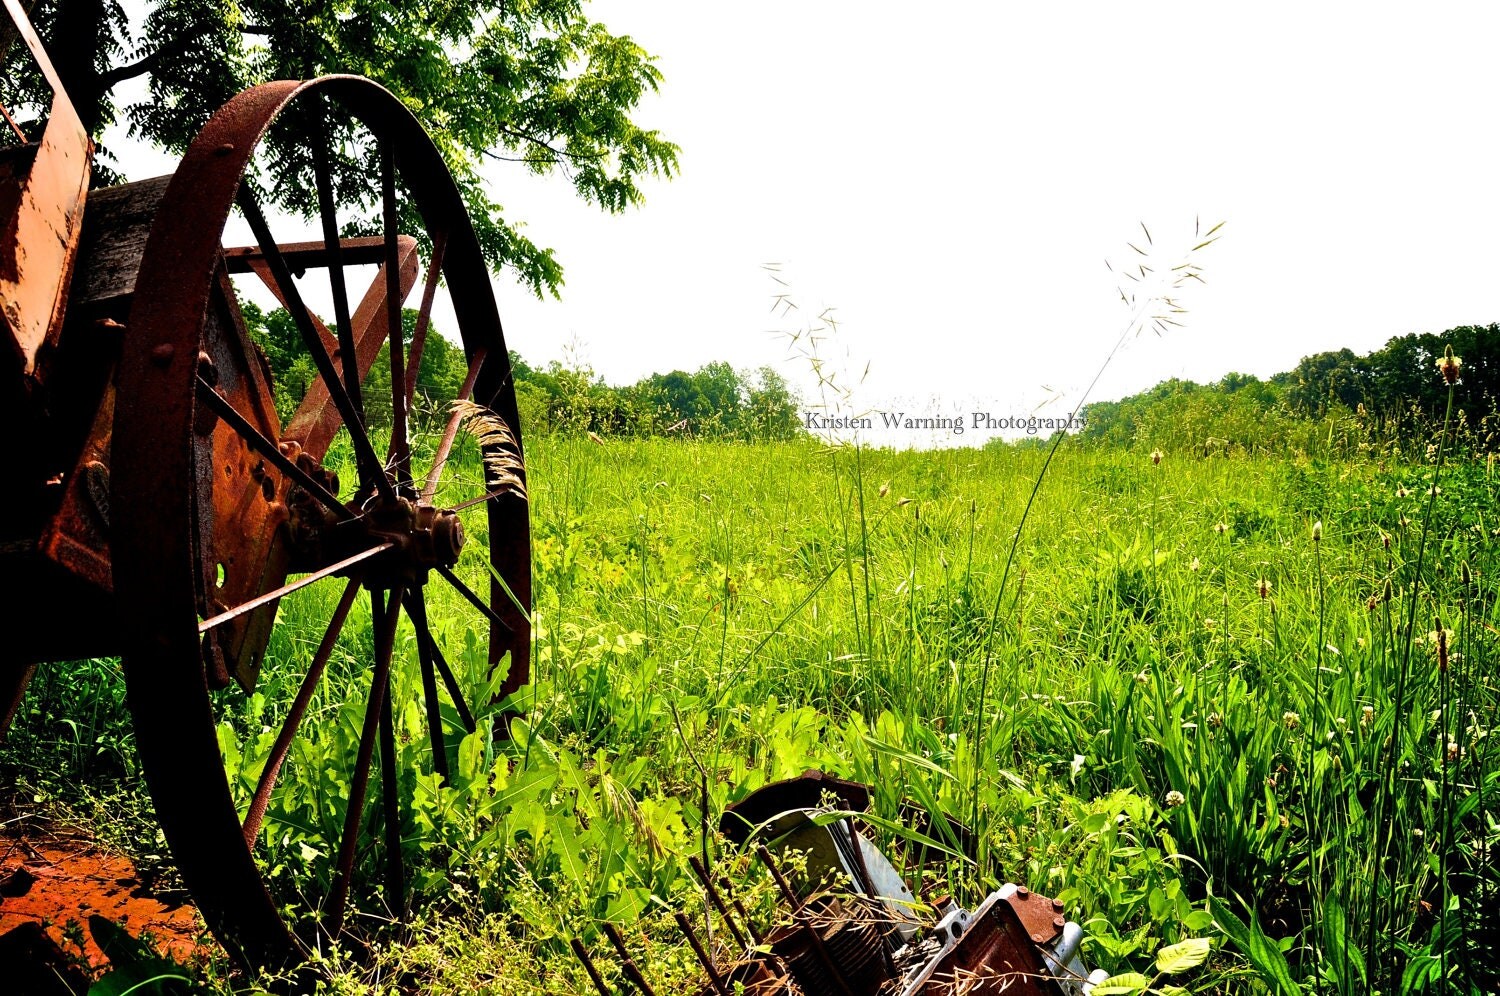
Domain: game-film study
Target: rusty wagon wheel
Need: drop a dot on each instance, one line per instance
(223, 512)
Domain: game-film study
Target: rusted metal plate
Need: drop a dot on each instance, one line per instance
(995, 955)
(247, 503)
(1042, 917)
(77, 536)
(806, 791)
(39, 231)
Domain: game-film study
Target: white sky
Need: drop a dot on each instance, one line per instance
(951, 181)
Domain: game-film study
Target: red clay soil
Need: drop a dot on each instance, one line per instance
(52, 881)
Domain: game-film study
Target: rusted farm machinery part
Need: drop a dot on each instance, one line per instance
(221, 511)
(848, 924)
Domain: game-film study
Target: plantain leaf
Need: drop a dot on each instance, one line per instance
(1183, 955)
(1127, 984)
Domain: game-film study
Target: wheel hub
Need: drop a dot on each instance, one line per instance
(421, 537)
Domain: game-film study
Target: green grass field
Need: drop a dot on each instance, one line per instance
(1169, 705)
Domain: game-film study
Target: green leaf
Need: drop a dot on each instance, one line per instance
(1261, 951)
(569, 851)
(1183, 955)
(1127, 984)
(1337, 937)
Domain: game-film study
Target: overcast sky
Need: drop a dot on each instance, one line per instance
(952, 182)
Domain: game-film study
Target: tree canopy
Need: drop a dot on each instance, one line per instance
(538, 84)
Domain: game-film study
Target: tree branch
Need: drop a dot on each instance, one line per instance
(549, 160)
(534, 140)
(108, 81)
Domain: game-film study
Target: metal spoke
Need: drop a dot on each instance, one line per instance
(359, 783)
(363, 450)
(473, 599)
(287, 589)
(416, 608)
(294, 715)
(333, 245)
(482, 498)
(434, 717)
(400, 445)
(435, 475)
(417, 611)
(390, 789)
(424, 316)
(258, 442)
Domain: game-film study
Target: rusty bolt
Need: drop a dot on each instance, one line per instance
(109, 325)
(1058, 921)
(224, 149)
(1057, 904)
(207, 370)
(1039, 937)
(161, 355)
(1022, 891)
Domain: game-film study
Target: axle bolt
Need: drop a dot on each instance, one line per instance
(447, 537)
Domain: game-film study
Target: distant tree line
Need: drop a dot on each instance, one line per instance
(715, 401)
(1402, 375)
(1392, 393)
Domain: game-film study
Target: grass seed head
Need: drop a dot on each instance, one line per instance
(502, 453)
(1175, 799)
(1450, 366)
(1291, 719)
(1366, 716)
(1156, 458)
(1265, 589)
(1317, 531)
